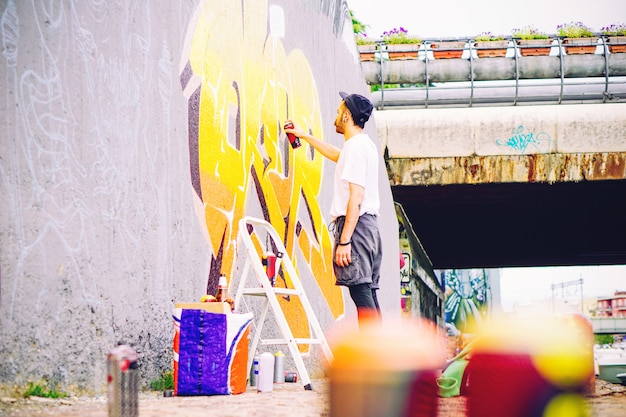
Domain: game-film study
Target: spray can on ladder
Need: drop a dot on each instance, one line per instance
(269, 261)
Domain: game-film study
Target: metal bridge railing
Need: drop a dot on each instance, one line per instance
(556, 78)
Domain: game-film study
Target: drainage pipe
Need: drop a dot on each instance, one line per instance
(515, 92)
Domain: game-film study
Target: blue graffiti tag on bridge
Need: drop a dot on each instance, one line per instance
(520, 141)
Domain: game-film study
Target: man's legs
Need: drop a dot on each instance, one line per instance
(375, 300)
(365, 301)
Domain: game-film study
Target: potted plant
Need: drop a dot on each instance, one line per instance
(488, 45)
(447, 49)
(401, 45)
(616, 37)
(366, 46)
(580, 38)
(532, 42)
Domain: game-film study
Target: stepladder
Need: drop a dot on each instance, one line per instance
(265, 258)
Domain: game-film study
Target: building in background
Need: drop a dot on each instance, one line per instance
(614, 306)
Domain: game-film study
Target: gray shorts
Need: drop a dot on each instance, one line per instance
(366, 253)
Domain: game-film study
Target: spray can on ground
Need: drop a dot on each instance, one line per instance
(123, 382)
(279, 367)
(254, 371)
(222, 289)
(291, 377)
(265, 382)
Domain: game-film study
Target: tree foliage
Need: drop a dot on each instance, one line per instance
(357, 25)
(603, 339)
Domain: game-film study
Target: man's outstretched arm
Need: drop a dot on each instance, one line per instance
(329, 151)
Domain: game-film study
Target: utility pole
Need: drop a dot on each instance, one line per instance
(563, 285)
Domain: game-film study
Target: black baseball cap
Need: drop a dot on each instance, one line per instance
(360, 107)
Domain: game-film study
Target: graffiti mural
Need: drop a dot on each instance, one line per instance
(405, 274)
(468, 298)
(240, 86)
(405, 282)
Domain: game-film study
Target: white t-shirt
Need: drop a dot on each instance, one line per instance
(357, 164)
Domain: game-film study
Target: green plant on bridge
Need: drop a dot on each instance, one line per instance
(397, 36)
(362, 39)
(574, 30)
(488, 37)
(378, 87)
(528, 32)
(615, 29)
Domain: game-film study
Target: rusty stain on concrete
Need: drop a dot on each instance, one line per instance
(531, 168)
(611, 167)
(551, 167)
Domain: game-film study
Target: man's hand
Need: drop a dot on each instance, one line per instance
(329, 151)
(342, 255)
(297, 130)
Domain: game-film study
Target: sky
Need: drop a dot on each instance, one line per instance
(450, 18)
(465, 18)
(522, 286)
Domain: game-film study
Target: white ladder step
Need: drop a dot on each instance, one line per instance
(261, 291)
(300, 341)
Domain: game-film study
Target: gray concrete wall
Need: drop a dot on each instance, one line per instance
(135, 136)
(519, 130)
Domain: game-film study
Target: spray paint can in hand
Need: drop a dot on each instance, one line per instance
(265, 382)
(254, 371)
(293, 139)
(279, 367)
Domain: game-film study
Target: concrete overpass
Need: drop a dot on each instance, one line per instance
(496, 185)
(511, 186)
(608, 325)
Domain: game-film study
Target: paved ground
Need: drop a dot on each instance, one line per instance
(287, 400)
